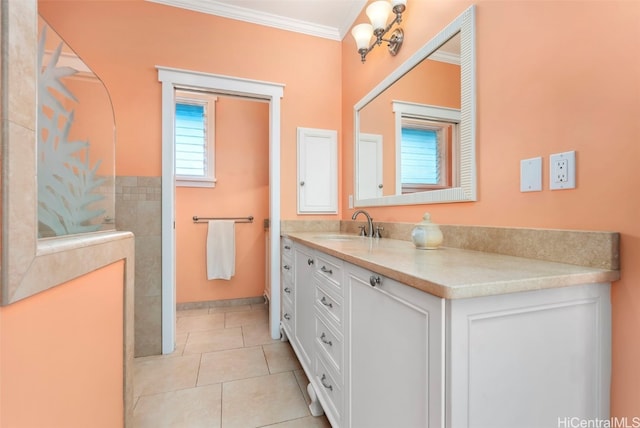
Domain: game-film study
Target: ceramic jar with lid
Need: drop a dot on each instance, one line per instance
(426, 235)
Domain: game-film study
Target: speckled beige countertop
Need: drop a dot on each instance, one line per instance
(452, 273)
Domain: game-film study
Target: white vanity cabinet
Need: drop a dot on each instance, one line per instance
(304, 324)
(328, 375)
(396, 353)
(379, 353)
(287, 286)
(314, 302)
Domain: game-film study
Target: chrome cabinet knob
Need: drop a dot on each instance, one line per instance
(323, 381)
(374, 280)
(325, 302)
(323, 338)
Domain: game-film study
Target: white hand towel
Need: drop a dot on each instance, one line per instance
(221, 249)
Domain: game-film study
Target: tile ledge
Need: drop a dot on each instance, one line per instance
(71, 242)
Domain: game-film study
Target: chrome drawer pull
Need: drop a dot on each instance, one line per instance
(323, 337)
(287, 290)
(287, 247)
(325, 270)
(323, 380)
(287, 317)
(287, 267)
(324, 302)
(309, 262)
(374, 280)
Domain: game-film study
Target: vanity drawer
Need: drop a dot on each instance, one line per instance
(330, 388)
(286, 247)
(288, 318)
(287, 269)
(329, 343)
(329, 270)
(288, 291)
(329, 306)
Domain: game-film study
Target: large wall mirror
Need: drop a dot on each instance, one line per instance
(415, 131)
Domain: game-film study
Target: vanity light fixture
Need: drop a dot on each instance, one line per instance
(378, 13)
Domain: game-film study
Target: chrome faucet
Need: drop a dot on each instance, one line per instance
(369, 221)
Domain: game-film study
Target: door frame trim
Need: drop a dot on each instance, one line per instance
(171, 79)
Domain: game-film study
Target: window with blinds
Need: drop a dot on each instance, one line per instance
(194, 139)
(420, 156)
(424, 151)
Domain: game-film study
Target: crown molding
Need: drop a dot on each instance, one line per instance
(225, 10)
(441, 56)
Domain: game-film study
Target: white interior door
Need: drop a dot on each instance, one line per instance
(369, 166)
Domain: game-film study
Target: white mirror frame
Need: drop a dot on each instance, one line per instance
(467, 188)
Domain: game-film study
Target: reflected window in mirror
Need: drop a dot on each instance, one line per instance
(424, 155)
(428, 148)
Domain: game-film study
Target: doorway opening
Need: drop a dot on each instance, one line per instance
(175, 79)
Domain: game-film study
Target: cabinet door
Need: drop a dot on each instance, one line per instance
(317, 171)
(304, 294)
(531, 359)
(396, 354)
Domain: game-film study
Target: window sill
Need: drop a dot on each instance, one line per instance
(197, 182)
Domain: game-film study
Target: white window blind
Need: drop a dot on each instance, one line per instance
(194, 139)
(191, 134)
(420, 156)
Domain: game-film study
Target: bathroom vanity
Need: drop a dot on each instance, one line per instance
(392, 336)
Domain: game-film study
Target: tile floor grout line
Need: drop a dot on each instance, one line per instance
(266, 360)
(245, 324)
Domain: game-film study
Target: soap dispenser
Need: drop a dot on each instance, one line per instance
(426, 235)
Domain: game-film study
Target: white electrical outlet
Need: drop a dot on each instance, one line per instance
(562, 171)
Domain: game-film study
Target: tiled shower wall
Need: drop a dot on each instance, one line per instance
(138, 210)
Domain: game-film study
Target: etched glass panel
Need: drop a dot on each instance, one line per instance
(76, 143)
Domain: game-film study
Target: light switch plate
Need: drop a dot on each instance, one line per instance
(531, 175)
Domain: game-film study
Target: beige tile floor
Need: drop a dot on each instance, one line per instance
(226, 372)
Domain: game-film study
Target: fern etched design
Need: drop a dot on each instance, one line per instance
(66, 180)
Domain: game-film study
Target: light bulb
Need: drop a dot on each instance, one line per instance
(362, 34)
(378, 13)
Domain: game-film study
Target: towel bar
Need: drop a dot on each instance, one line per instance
(248, 219)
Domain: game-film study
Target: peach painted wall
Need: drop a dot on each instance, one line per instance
(123, 41)
(61, 355)
(242, 189)
(552, 76)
